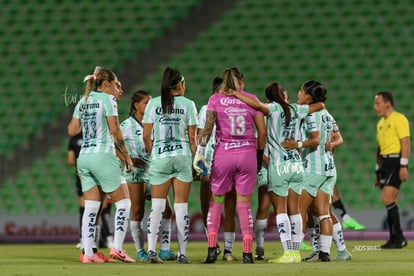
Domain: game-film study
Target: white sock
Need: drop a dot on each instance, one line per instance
(283, 226)
(315, 234)
(183, 226)
(338, 237)
(88, 225)
(137, 234)
(325, 242)
(296, 230)
(110, 241)
(165, 237)
(229, 238)
(259, 231)
(154, 221)
(121, 218)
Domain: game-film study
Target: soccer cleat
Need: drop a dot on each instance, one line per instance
(259, 253)
(120, 255)
(324, 257)
(352, 224)
(313, 257)
(105, 258)
(247, 258)
(228, 256)
(211, 255)
(167, 255)
(153, 258)
(399, 243)
(182, 259)
(94, 259)
(343, 256)
(388, 244)
(142, 255)
(296, 256)
(287, 258)
(305, 247)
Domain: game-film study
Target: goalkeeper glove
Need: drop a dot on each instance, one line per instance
(199, 164)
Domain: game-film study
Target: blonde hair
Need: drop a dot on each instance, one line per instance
(96, 79)
(231, 79)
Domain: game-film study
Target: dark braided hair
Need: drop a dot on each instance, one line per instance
(315, 90)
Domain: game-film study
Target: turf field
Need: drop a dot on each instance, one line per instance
(58, 259)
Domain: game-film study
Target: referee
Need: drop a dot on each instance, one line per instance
(393, 137)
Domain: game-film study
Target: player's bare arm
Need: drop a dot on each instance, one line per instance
(211, 117)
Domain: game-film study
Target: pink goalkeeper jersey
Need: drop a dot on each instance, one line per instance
(235, 128)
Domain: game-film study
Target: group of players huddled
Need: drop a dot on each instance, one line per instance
(232, 145)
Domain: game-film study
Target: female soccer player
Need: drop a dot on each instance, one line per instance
(96, 115)
(232, 163)
(319, 164)
(205, 192)
(170, 122)
(137, 179)
(285, 168)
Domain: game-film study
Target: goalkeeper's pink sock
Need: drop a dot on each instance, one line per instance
(213, 222)
(246, 224)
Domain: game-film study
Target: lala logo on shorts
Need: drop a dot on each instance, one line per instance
(234, 145)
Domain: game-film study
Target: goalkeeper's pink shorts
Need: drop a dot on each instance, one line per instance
(239, 169)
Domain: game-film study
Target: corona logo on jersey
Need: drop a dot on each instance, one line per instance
(227, 100)
(179, 111)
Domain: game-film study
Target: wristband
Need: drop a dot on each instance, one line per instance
(300, 144)
(404, 161)
(376, 167)
(200, 150)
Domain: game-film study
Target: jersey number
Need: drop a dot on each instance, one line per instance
(89, 128)
(170, 135)
(237, 125)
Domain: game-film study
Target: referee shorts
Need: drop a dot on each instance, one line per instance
(390, 171)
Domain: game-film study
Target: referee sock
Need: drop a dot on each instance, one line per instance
(339, 207)
(394, 220)
(154, 221)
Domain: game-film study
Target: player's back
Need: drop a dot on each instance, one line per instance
(234, 123)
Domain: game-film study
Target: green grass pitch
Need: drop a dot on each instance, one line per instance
(63, 259)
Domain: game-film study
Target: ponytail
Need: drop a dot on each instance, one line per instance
(275, 93)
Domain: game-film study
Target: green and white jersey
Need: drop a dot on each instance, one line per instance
(169, 132)
(96, 135)
(316, 159)
(209, 151)
(278, 132)
(133, 131)
(334, 129)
